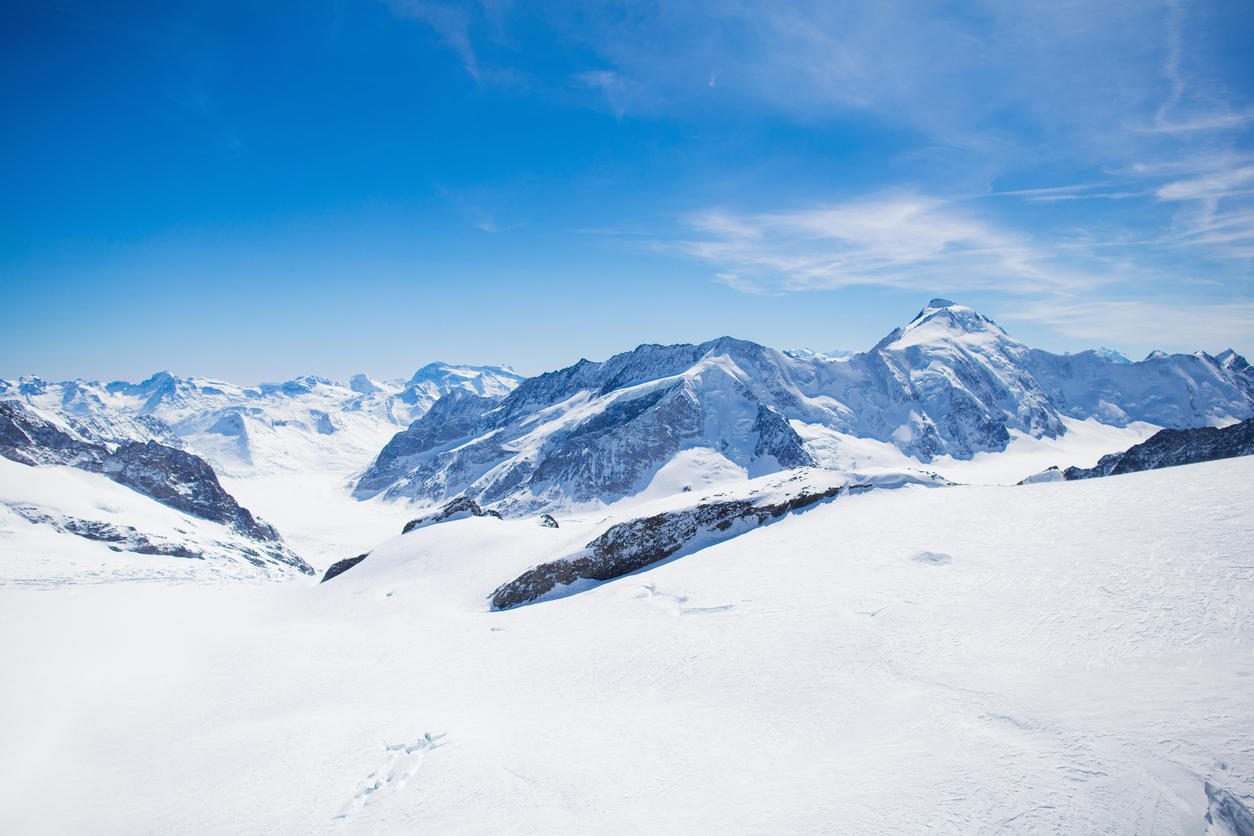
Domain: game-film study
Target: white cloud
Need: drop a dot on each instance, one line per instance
(449, 20)
(1144, 322)
(901, 240)
(1219, 184)
(616, 88)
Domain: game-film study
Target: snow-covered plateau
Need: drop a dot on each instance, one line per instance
(706, 587)
(1068, 657)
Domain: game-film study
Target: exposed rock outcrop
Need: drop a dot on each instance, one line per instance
(342, 566)
(459, 509)
(1167, 448)
(632, 545)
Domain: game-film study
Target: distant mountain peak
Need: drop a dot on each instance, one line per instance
(942, 320)
(363, 384)
(439, 371)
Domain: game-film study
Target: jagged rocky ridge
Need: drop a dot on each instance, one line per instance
(171, 476)
(1168, 448)
(951, 382)
(632, 545)
(459, 509)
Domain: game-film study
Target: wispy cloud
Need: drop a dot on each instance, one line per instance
(1081, 191)
(615, 87)
(1143, 322)
(450, 21)
(893, 240)
(1228, 182)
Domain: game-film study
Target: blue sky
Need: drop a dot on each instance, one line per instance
(256, 191)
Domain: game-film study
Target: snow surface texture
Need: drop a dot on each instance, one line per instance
(1070, 657)
(950, 386)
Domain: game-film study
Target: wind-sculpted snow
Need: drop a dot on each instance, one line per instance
(950, 383)
(1224, 811)
(1169, 448)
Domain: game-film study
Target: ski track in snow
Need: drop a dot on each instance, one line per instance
(401, 764)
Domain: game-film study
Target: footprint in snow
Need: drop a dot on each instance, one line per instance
(676, 604)
(402, 762)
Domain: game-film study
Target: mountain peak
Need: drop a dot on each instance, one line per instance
(363, 384)
(942, 320)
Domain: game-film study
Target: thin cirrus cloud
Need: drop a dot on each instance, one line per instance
(617, 89)
(900, 241)
(450, 21)
(1084, 158)
(1137, 321)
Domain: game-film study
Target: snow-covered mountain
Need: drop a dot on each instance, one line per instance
(951, 382)
(305, 424)
(132, 475)
(288, 450)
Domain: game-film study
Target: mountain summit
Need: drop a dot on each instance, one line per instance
(950, 382)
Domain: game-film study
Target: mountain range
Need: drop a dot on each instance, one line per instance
(948, 386)
(949, 383)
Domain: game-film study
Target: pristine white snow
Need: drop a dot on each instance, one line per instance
(1063, 657)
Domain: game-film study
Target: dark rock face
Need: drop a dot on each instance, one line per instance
(1167, 448)
(342, 566)
(637, 543)
(185, 482)
(119, 537)
(453, 417)
(547, 521)
(459, 509)
(170, 476)
(777, 438)
(27, 438)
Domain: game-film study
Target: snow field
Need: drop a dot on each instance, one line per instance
(1083, 663)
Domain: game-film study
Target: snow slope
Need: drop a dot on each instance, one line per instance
(1068, 657)
(61, 525)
